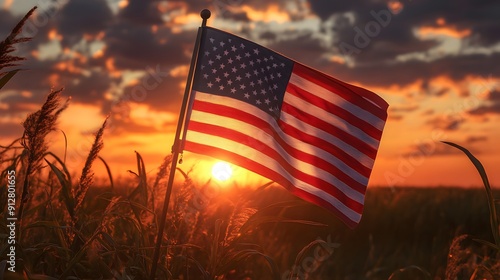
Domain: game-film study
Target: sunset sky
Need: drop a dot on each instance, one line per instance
(437, 64)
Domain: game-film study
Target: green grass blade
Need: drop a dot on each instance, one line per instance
(5, 78)
(491, 200)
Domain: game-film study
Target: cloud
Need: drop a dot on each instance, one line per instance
(491, 106)
(435, 149)
(92, 88)
(163, 94)
(144, 12)
(80, 17)
(7, 22)
(446, 123)
(11, 130)
(479, 17)
(486, 109)
(475, 139)
(137, 46)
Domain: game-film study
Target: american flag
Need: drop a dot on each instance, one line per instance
(313, 134)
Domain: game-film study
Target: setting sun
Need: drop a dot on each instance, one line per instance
(222, 171)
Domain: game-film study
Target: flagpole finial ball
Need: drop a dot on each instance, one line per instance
(205, 14)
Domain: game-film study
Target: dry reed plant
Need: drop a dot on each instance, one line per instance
(87, 176)
(7, 45)
(36, 128)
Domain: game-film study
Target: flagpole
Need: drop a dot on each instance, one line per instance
(205, 14)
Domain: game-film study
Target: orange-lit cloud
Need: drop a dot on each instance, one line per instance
(35, 53)
(54, 35)
(68, 66)
(441, 21)
(122, 4)
(337, 59)
(7, 4)
(180, 71)
(98, 53)
(448, 31)
(54, 79)
(142, 114)
(272, 14)
(395, 6)
(110, 67)
(187, 19)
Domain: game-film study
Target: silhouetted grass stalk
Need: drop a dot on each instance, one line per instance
(36, 127)
(491, 199)
(7, 45)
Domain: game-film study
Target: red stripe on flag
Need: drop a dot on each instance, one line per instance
(273, 153)
(331, 129)
(351, 93)
(335, 110)
(317, 142)
(268, 173)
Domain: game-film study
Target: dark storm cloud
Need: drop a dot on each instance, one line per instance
(36, 72)
(494, 96)
(302, 47)
(486, 109)
(195, 6)
(393, 35)
(128, 126)
(403, 109)
(236, 16)
(79, 17)
(475, 139)
(268, 35)
(92, 88)
(446, 123)
(12, 130)
(142, 11)
(163, 93)
(325, 8)
(434, 149)
(480, 16)
(403, 73)
(370, 70)
(492, 105)
(137, 46)
(7, 22)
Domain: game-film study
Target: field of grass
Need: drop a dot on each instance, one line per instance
(76, 227)
(246, 234)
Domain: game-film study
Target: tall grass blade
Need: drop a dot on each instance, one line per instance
(140, 193)
(65, 146)
(65, 188)
(312, 245)
(243, 255)
(214, 249)
(6, 77)
(410, 272)
(486, 183)
(108, 170)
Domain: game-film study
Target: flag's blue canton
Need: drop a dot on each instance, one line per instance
(231, 66)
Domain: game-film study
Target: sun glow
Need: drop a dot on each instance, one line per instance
(222, 171)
